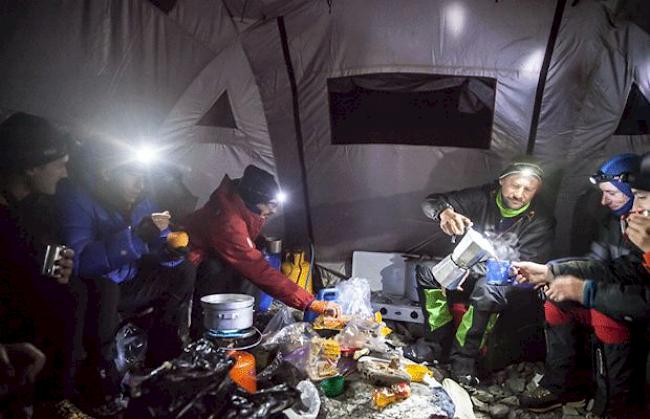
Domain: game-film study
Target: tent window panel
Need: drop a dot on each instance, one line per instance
(412, 109)
(220, 114)
(636, 115)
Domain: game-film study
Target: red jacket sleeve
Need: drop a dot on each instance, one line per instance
(235, 246)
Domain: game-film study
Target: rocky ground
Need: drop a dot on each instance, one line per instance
(497, 397)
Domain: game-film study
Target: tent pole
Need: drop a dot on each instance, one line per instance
(543, 74)
(296, 122)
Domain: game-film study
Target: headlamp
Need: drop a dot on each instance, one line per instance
(600, 177)
(145, 154)
(281, 197)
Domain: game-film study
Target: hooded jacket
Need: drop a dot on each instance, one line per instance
(225, 227)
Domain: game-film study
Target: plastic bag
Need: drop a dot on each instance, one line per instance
(354, 297)
(280, 320)
(363, 333)
(324, 355)
(131, 345)
(290, 338)
(262, 404)
(309, 405)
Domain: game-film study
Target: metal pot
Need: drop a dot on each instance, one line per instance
(226, 312)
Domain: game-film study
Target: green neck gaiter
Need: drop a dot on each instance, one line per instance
(509, 212)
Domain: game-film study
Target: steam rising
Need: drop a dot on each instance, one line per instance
(505, 245)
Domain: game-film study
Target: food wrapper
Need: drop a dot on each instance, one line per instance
(324, 355)
(382, 397)
(363, 333)
(324, 322)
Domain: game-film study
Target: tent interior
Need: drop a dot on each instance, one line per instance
(361, 108)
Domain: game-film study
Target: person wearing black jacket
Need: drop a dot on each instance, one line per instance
(33, 307)
(614, 297)
(505, 207)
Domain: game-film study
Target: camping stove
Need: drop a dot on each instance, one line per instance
(234, 340)
(396, 308)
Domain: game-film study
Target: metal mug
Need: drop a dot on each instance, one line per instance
(53, 254)
(498, 272)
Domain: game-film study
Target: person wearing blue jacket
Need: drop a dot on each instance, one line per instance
(119, 239)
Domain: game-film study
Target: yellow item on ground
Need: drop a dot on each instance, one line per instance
(385, 331)
(177, 239)
(382, 397)
(297, 270)
(417, 372)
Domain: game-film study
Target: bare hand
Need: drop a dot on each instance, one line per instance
(452, 223)
(26, 355)
(534, 273)
(161, 219)
(638, 231)
(65, 266)
(566, 288)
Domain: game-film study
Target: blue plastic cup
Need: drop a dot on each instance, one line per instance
(498, 272)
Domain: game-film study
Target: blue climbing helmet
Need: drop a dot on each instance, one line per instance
(617, 171)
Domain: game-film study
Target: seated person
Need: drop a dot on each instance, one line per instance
(563, 320)
(609, 297)
(618, 197)
(34, 307)
(122, 257)
(507, 206)
(222, 236)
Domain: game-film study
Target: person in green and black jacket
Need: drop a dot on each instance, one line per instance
(505, 206)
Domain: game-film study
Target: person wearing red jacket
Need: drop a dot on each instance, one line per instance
(222, 239)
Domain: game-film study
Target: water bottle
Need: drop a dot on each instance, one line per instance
(131, 345)
(326, 294)
(273, 255)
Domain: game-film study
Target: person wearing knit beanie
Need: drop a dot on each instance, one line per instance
(34, 155)
(259, 191)
(612, 178)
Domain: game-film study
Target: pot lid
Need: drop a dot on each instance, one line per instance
(227, 301)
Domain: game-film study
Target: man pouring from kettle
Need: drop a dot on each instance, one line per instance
(505, 206)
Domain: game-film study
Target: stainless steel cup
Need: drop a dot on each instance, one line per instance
(53, 253)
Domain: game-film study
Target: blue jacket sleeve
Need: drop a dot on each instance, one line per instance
(94, 255)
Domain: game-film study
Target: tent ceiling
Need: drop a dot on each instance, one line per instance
(123, 68)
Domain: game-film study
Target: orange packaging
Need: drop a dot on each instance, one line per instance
(243, 372)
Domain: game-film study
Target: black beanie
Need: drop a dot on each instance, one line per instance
(640, 177)
(28, 141)
(257, 186)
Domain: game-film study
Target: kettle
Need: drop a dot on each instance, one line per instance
(473, 248)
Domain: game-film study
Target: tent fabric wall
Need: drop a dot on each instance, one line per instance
(125, 69)
(368, 196)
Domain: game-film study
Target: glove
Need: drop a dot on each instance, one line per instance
(147, 230)
(177, 244)
(177, 239)
(327, 308)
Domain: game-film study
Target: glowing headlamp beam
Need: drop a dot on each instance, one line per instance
(145, 154)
